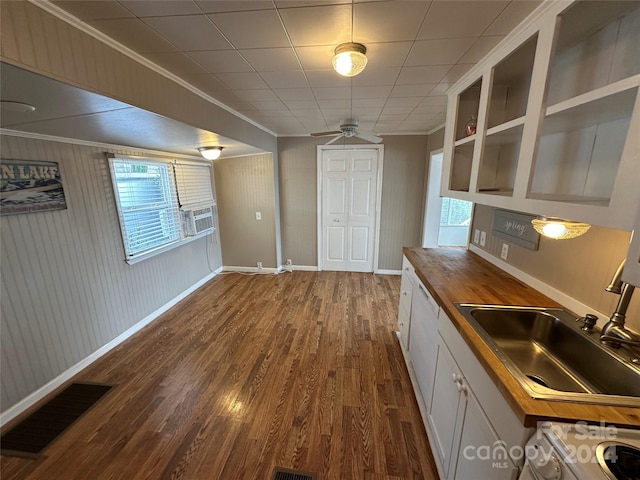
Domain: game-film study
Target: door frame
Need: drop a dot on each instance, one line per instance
(376, 230)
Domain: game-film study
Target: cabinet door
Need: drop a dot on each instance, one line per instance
(404, 321)
(424, 340)
(480, 454)
(444, 409)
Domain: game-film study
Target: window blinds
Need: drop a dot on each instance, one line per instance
(147, 204)
(194, 184)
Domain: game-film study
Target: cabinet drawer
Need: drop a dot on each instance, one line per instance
(406, 291)
(403, 327)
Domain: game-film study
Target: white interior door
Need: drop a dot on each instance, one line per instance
(349, 187)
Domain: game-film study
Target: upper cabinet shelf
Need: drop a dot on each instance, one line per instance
(558, 110)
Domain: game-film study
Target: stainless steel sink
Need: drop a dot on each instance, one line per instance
(552, 358)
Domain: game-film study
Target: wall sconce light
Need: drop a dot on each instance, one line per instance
(210, 153)
(349, 59)
(559, 229)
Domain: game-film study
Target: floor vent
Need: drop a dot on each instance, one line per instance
(286, 474)
(33, 434)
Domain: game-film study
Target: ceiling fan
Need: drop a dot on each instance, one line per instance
(347, 130)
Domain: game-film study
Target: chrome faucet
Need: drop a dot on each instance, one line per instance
(614, 332)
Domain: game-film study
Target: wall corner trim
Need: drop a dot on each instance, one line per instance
(16, 409)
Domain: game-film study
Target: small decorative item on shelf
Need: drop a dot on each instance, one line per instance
(471, 126)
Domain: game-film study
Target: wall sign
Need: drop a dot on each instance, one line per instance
(516, 228)
(29, 186)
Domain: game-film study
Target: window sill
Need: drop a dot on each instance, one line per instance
(166, 248)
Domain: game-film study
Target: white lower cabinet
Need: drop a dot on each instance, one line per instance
(404, 308)
(471, 427)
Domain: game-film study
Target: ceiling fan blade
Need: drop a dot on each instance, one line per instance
(324, 134)
(369, 137)
(334, 139)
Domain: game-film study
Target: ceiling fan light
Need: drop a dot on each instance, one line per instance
(349, 59)
(559, 229)
(210, 153)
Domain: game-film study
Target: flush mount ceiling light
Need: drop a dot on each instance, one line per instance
(19, 107)
(559, 229)
(349, 59)
(210, 153)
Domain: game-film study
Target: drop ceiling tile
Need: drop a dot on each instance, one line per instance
(216, 6)
(325, 104)
(326, 25)
(301, 104)
(221, 61)
(440, 100)
(133, 33)
(189, 32)
(243, 81)
(403, 102)
(257, 95)
(391, 119)
(328, 93)
(308, 113)
(479, 49)
(459, 19)
(456, 72)
(206, 82)
(307, 3)
(175, 62)
(412, 90)
(372, 77)
(429, 109)
(369, 102)
(316, 58)
(284, 79)
(294, 93)
(392, 54)
(393, 21)
(276, 105)
(96, 10)
(271, 59)
(372, 92)
(336, 116)
(441, 89)
(418, 75)
(154, 8)
(326, 78)
(255, 29)
(510, 17)
(367, 112)
(396, 110)
(438, 52)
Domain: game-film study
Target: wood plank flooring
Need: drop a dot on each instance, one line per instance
(300, 370)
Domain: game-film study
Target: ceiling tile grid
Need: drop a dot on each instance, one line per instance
(271, 60)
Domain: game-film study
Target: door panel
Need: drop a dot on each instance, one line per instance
(361, 197)
(337, 196)
(359, 243)
(336, 244)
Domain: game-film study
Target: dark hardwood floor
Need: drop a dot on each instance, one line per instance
(300, 370)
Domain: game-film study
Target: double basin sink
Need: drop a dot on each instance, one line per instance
(552, 358)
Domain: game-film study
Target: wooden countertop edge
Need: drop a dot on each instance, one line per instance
(500, 290)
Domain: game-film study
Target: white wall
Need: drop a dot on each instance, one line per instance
(66, 290)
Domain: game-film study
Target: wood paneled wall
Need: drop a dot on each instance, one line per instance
(244, 186)
(66, 290)
(402, 197)
(581, 267)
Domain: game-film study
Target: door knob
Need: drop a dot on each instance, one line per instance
(336, 220)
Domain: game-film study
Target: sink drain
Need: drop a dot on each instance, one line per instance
(538, 380)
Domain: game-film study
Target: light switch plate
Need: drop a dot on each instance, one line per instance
(505, 251)
(483, 239)
(258, 215)
(476, 236)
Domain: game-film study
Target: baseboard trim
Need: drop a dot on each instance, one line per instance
(16, 409)
(305, 268)
(251, 270)
(388, 272)
(562, 298)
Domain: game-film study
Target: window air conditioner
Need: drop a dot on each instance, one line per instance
(199, 221)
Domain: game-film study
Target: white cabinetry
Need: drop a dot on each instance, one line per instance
(631, 272)
(404, 309)
(558, 116)
(424, 338)
(470, 424)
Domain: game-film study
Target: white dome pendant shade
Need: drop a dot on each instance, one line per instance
(349, 59)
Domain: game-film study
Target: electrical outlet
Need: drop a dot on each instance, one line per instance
(505, 251)
(483, 239)
(258, 215)
(289, 263)
(259, 265)
(476, 236)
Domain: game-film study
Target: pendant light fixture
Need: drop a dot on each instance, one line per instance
(559, 229)
(210, 153)
(349, 59)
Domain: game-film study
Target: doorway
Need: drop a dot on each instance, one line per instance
(446, 220)
(349, 195)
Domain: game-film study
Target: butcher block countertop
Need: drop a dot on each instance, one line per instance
(457, 275)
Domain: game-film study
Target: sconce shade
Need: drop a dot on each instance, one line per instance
(349, 59)
(210, 153)
(559, 229)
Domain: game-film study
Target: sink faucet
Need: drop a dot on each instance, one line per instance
(614, 332)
